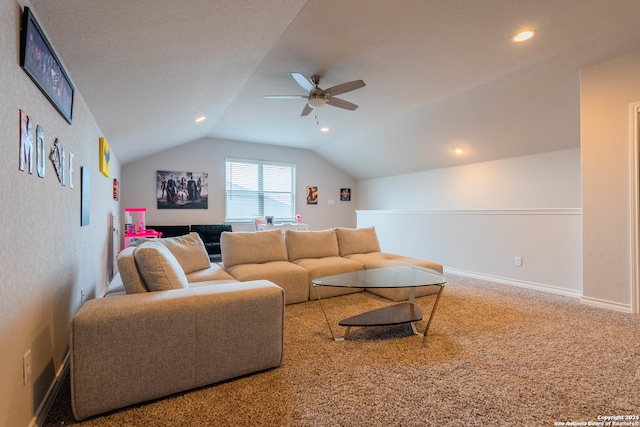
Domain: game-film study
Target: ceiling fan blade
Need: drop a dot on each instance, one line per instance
(304, 82)
(285, 96)
(306, 110)
(345, 87)
(341, 103)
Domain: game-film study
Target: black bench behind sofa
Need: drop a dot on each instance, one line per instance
(209, 233)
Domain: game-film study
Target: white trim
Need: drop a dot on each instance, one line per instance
(518, 283)
(634, 152)
(560, 211)
(609, 305)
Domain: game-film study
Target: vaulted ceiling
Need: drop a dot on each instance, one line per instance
(438, 73)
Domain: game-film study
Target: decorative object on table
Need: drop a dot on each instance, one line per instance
(85, 192)
(57, 157)
(298, 218)
(345, 194)
(105, 157)
(40, 62)
(268, 220)
(40, 156)
(138, 229)
(26, 143)
(312, 195)
(182, 190)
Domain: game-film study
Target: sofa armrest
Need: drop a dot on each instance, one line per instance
(133, 348)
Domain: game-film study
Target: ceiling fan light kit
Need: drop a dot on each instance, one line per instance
(317, 101)
(317, 97)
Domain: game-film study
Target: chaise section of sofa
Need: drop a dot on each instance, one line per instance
(362, 245)
(263, 255)
(132, 348)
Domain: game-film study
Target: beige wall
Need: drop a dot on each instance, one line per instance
(607, 90)
(547, 180)
(475, 219)
(47, 257)
(208, 155)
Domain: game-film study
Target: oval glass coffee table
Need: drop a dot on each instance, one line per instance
(406, 276)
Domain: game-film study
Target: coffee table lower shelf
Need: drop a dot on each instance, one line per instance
(387, 316)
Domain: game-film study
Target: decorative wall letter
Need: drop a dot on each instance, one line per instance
(57, 158)
(70, 170)
(26, 142)
(40, 156)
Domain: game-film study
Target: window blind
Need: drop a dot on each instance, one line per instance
(256, 189)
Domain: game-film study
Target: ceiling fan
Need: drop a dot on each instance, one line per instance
(317, 97)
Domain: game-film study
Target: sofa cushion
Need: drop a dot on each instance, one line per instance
(357, 240)
(214, 272)
(290, 277)
(189, 251)
(255, 247)
(311, 244)
(328, 266)
(382, 259)
(159, 267)
(131, 279)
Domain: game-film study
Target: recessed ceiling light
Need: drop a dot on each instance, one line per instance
(523, 36)
(458, 150)
(201, 119)
(324, 129)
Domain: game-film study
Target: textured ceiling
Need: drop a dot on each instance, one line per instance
(438, 73)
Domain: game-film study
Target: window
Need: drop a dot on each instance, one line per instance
(256, 189)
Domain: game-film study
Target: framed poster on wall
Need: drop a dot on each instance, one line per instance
(182, 190)
(40, 62)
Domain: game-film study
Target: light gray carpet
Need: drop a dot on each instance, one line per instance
(496, 355)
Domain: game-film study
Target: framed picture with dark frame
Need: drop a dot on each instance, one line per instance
(40, 62)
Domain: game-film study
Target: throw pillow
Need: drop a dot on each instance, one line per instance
(255, 247)
(158, 267)
(189, 250)
(311, 244)
(357, 240)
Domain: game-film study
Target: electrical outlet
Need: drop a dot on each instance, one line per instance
(518, 261)
(26, 367)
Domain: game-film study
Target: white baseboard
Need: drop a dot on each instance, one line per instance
(609, 305)
(43, 410)
(518, 283)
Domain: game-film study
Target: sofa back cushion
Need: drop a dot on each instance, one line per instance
(311, 244)
(159, 267)
(357, 240)
(131, 279)
(189, 250)
(255, 247)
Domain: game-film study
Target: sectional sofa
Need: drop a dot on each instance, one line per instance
(171, 320)
(294, 258)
